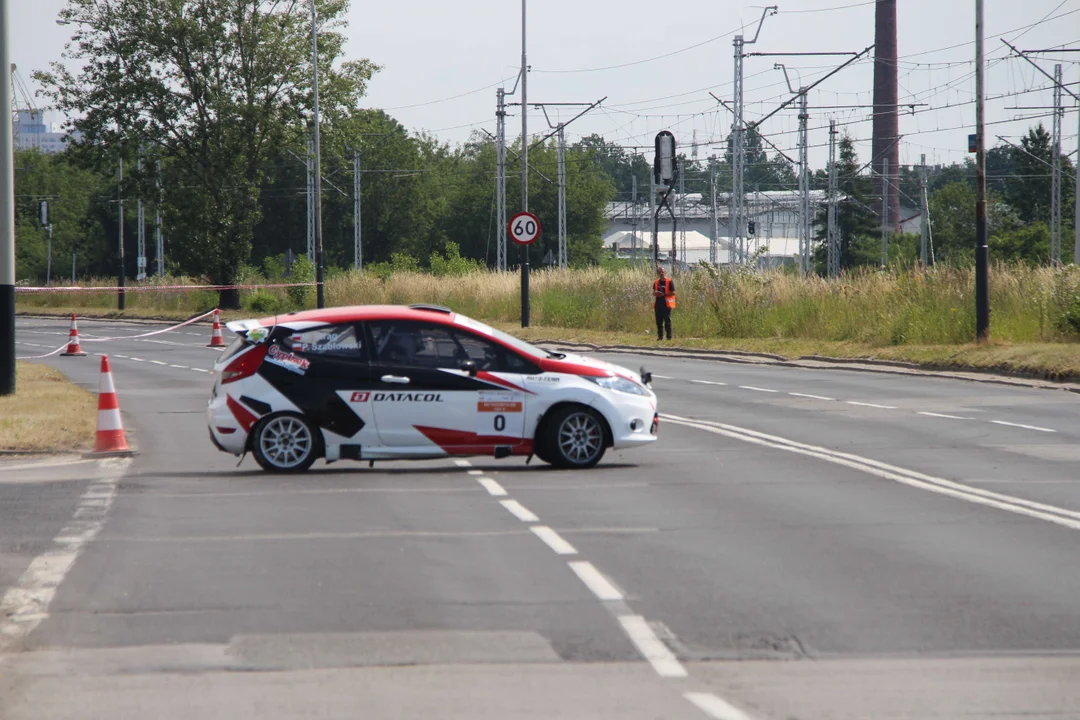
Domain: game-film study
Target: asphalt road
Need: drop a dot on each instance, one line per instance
(799, 544)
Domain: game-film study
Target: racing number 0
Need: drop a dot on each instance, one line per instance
(500, 423)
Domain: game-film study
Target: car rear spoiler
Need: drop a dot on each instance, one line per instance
(243, 328)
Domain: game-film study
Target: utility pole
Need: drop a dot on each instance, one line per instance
(1055, 173)
(682, 215)
(982, 251)
(140, 235)
(310, 204)
(524, 167)
(924, 221)
(562, 197)
(885, 213)
(7, 213)
(500, 178)
(320, 294)
(160, 251)
(804, 185)
(358, 255)
(120, 299)
(634, 217)
(714, 241)
(738, 199)
(831, 235)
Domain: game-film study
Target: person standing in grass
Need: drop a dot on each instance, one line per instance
(664, 303)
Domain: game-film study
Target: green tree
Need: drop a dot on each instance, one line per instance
(214, 85)
(856, 222)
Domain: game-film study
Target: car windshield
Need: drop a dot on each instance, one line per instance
(507, 339)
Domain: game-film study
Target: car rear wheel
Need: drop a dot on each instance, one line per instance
(285, 443)
(574, 437)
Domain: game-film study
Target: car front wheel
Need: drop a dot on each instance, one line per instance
(574, 438)
(285, 443)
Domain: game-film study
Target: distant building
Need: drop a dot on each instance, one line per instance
(34, 132)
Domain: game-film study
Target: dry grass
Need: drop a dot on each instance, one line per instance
(46, 413)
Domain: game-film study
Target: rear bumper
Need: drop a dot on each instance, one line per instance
(225, 431)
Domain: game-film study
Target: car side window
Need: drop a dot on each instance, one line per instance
(332, 341)
(437, 346)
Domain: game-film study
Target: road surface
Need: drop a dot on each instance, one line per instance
(800, 544)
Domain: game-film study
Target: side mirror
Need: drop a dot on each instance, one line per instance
(646, 376)
(469, 366)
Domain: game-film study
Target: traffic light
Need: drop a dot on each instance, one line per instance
(750, 227)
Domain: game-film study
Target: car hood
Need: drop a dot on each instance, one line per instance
(583, 365)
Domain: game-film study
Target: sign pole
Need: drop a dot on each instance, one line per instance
(7, 214)
(524, 229)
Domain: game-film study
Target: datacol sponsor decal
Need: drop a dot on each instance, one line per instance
(360, 397)
(287, 360)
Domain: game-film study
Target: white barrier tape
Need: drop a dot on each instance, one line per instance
(151, 288)
(121, 337)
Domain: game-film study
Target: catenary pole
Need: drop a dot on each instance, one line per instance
(982, 251)
(885, 212)
(831, 236)
(500, 178)
(7, 213)
(1055, 172)
(120, 299)
(924, 217)
(562, 198)
(320, 294)
(358, 247)
(160, 244)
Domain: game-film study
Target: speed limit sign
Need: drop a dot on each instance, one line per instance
(524, 228)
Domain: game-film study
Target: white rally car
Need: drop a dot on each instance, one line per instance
(378, 382)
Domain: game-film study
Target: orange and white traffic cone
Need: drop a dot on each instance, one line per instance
(215, 339)
(73, 349)
(110, 440)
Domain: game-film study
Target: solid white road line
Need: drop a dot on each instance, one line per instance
(1009, 503)
(862, 404)
(519, 511)
(656, 652)
(1026, 427)
(462, 463)
(553, 540)
(491, 486)
(707, 382)
(757, 389)
(26, 603)
(663, 377)
(715, 707)
(600, 586)
(812, 397)
(475, 472)
(943, 415)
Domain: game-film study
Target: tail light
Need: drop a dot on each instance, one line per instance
(245, 365)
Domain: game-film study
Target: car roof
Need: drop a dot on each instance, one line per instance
(355, 313)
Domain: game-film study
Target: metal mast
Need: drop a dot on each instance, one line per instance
(832, 237)
(140, 260)
(562, 197)
(1055, 173)
(633, 217)
(682, 208)
(160, 249)
(500, 179)
(714, 241)
(358, 245)
(924, 221)
(310, 206)
(737, 224)
(804, 185)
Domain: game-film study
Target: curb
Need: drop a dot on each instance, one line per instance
(820, 362)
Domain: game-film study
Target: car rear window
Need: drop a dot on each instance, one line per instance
(337, 341)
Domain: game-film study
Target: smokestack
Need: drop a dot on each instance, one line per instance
(886, 115)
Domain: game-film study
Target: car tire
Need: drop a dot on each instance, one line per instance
(285, 443)
(575, 436)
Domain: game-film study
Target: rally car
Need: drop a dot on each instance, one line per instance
(382, 382)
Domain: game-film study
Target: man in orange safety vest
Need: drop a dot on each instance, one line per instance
(664, 292)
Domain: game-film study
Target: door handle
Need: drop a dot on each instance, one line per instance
(395, 379)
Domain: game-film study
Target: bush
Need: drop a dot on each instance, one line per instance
(452, 263)
(262, 301)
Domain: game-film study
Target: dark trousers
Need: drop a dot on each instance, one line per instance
(663, 320)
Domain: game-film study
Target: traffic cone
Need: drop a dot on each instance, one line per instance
(73, 349)
(215, 338)
(110, 440)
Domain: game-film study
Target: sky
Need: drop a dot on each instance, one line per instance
(656, 63)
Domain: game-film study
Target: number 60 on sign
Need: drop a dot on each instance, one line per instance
(524, 228)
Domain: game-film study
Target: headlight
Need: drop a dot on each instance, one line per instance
(619, 383)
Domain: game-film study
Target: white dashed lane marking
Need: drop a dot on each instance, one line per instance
(943, 415)
(650, 646)
(600, 586)
(492, 487)
(812, 397)
(707, 382)
(519, 511)
(553, 540)
(757, 389)
(870, 405)
(1025, 427)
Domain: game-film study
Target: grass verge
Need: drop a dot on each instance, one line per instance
(46, 413)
